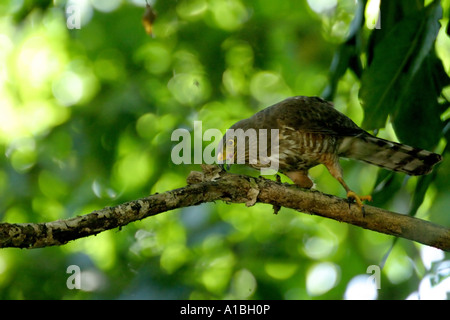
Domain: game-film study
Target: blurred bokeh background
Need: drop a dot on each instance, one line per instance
(88, 103)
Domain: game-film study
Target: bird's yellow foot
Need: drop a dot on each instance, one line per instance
(358, 199)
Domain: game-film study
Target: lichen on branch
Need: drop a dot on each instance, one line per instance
(215, 184)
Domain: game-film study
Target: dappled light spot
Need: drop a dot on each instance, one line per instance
(92, 280)
(319, 248)
(39, 116)
(23, 160)
(372, 13)
(145, 244)
(106, 5)
(38, 61)
(103, 253)
(132, 171)
(192, 10)
(243, 284)
(235, 81)
(269, 87)
(189, 88)
(238, 54)
(6, 46)
(217, 272)
(147, 125)
(321, 278)
(68, 89)
(101, 190)
(239, 57)
(187, 62)
(430, 256)
(22, 154)
(26, 106)
(280, 270)
(155, 56)
(443, 52)
(322, 6)
(173, 257)
(400, 267)
(215, 267)
(228, 15)
(361, 287)
(78, 84)
(336, 17)
(435, 287)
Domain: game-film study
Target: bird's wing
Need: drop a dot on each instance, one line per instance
(307, 114)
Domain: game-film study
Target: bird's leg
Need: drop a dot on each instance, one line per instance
(300, 178)
(336, 171)
(352, 195)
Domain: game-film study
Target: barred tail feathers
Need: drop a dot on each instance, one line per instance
(389, 155)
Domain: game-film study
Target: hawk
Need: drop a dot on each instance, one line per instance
(312, 132)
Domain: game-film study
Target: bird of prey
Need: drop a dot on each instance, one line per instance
(312, 132)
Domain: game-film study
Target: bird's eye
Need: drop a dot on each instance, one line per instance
(230, 142)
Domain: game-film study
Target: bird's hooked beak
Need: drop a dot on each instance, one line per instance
(223, 163)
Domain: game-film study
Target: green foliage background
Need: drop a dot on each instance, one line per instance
(86, 117)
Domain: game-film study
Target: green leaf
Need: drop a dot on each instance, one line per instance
(397, 58)
(416, 118)
(419, 193)
(341, 62)
(386, 187)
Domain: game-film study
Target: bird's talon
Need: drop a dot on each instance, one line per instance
(359, 201)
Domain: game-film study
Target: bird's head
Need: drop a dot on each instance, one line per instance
(226, 151)
(236, 144)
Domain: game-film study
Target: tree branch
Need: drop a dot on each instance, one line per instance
(214, 184)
